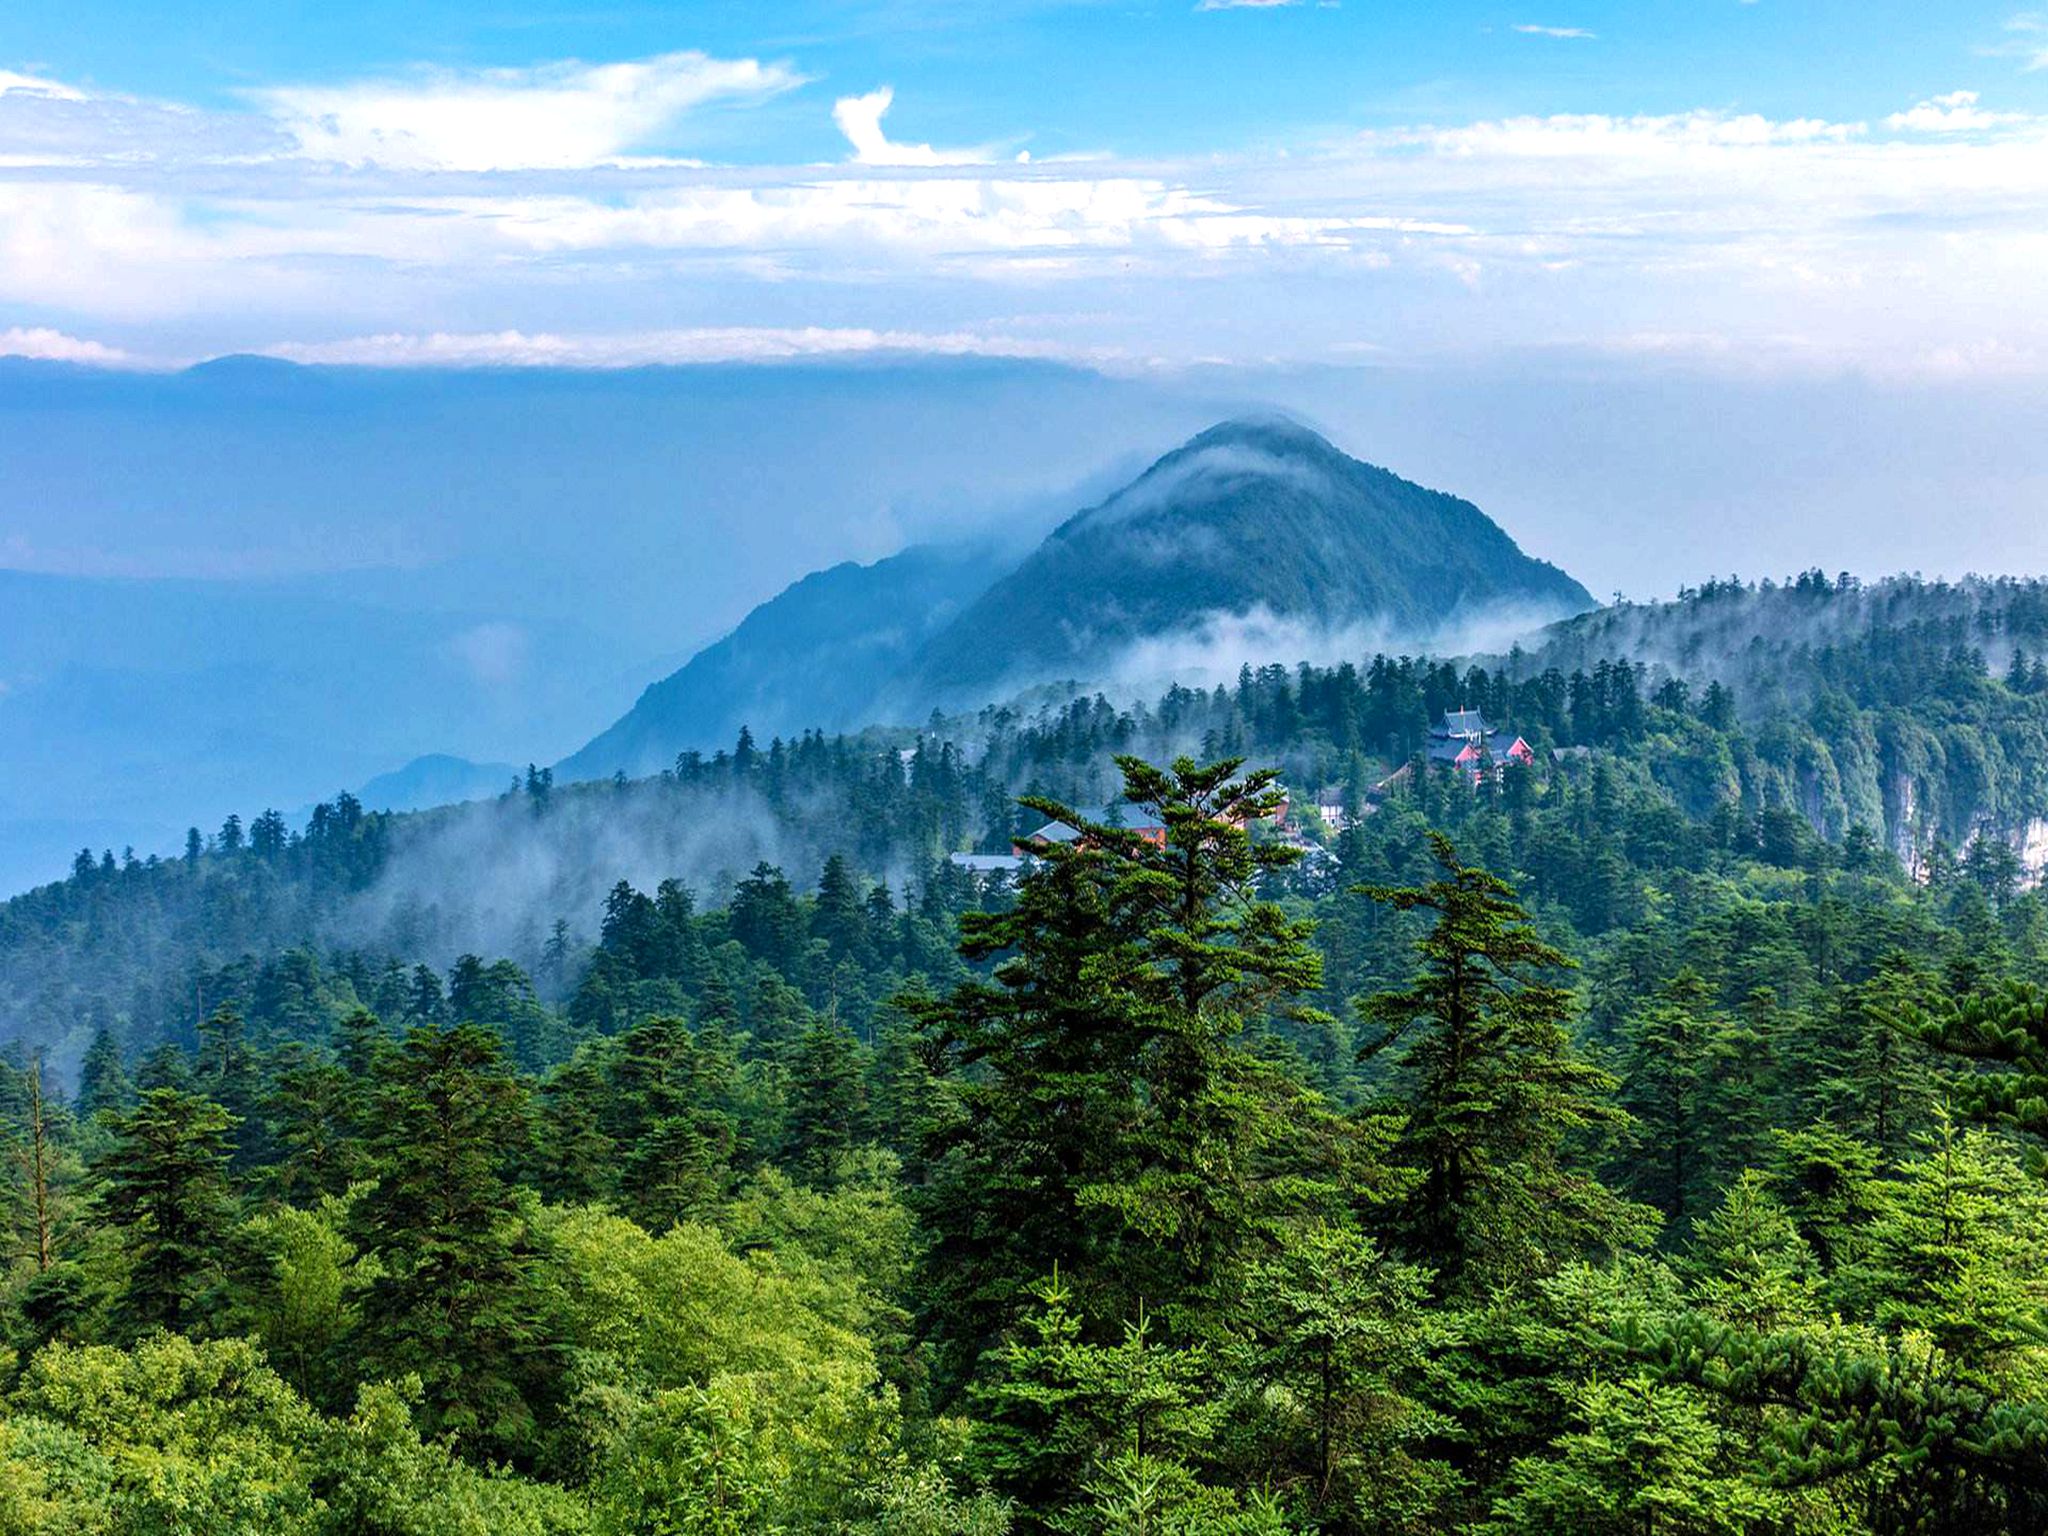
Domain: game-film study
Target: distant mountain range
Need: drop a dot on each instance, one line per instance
(436, 779)
(1255, 541)
(251, 584)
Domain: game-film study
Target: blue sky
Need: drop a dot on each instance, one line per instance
(1141, 79)
(1772, 186)
(1668, 287)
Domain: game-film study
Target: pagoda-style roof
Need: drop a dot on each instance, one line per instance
(1466, 723)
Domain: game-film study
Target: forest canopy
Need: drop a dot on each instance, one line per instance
(1642, 1136)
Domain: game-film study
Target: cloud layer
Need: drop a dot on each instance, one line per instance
(559, 116)
(567, 212)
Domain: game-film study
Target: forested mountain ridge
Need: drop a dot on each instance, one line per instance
(1863, 703)
(1199, 1191)
(1904, 706)
(1258, 516)
(709, 1152)
(1257, 525)
(257, 523)
(816, 656)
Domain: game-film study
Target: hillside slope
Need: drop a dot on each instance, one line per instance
(1253, 517)
(813, 656)
(1258, 519)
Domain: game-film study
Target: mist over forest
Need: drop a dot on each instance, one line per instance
(878, 768)
(188, 551)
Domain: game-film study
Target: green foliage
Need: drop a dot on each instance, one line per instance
(301, 1301)
(456, 1299)
(1748, 1263)
(164, 1188)
(1106, 1113)
(2005, 1027)
(1067, 1423)
(1494, 1091)
(1340, 1350)
(1956, 1248)
(705, 1233)
(1644, 1460)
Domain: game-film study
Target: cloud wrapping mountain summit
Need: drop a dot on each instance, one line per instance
(1258, 529)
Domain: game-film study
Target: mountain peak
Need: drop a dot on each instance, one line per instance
(1270, 430)
(1257, 536)
(1244, 457)
(1260, 523)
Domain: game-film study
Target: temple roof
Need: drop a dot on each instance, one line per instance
(1463, 722)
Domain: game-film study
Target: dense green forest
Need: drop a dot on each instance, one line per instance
(1643, 1140)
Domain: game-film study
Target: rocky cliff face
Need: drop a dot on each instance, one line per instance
(1908, 839)
(1912, 838)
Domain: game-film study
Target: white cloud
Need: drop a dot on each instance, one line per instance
(45, 123)
(1782, 239)
(1956, 112)
(860, 119)
(946, 219)
(1532, 29)
(699, 344)
(12, 83)
(557, 116)
(55, 346)
(2029, 32)
(1601, 137)
(494, 653)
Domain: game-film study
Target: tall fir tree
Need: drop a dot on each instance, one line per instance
(1110, 1120)
(103, 1081)
(1494, 1093)
(457, 1298)
(164, 1188)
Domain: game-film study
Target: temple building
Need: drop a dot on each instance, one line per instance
(1464, 740)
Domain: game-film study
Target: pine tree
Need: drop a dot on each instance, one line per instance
(1676, 1052)
(678, 1170)
(910, 1100)
(827, 1108)
(1887, 1083)
(1747, 1263)
(838, 918)
(555, 957)
(455, 1300)
(1212, 957)
(359, 1042)
(1043, 1063)
(317, 1119)
(577, 1159)
(103, 1082)
(1342, 1337)
(1109, 1118)
(1825, 1179)
(428, 1004)
(2007, 1027)
(45, 1168)
(1057, 1410)
(1956, 1248)
(668, 1119)
(650, 1071)
(225, 1072)
(164, 1187)
(1494, 1092)
(1644, 1459)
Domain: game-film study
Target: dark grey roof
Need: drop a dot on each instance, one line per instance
(1463, 722)
(1123, 815)
(988, 863)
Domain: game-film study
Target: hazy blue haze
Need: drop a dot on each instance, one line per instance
(373, 565)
